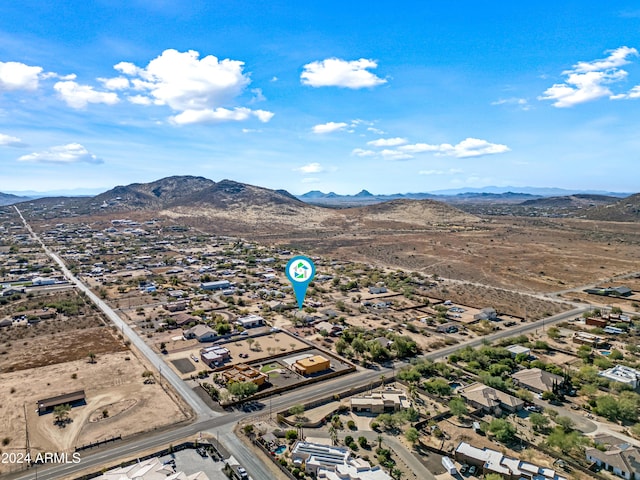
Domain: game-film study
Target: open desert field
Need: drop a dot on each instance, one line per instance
(113, 383)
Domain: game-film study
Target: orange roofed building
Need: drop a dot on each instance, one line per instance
(310, 365)
(244, 373)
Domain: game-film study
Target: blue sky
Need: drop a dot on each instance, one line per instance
(333, 96)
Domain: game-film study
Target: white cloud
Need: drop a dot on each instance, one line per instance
(18, 76)
(139, 100)
(9, 141)
(329, 127)
(116, 83)
(469, 147)
(63, 154)
(521, 103)
(451, 171)
(387, 142)
(359, 152)
(78, 96)
(200, 90)
(183, 81)
(633, 94)
(377, 131)
(310, 168)
(588, 81)
(390, 154)
(335, 72)
(219, 115)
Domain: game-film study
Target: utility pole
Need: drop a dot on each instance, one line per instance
(26, 429)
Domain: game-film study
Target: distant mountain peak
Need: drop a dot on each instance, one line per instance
(363, 193)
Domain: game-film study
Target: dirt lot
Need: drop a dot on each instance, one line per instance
(112, 383)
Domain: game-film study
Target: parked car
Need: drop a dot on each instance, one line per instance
(242, 472)
(472, 470)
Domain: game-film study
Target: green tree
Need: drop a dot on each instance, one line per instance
(297, 411)
(566, 442)
(291, 435)
(92, 357)
(242, 389)
(538, 421)
(458, 407)
(503, 430)
(565, 422)
(61, 413)
(412, 435)
(607, 406)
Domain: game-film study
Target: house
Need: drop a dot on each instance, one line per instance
(486, 314)
(516, 350)
(311, 365)
(593, 341)
(596, 322)
(489, 399)
(214, 356)
(622, 374)
(538, 380)
(448, 327)
(384, 401)
(74, 399)
(6, 322)
(244, 373)
(250, 321)
(176, 306)
(327, 462)
(328, 327)
(377, 290)
(202, 333)
(619, 458)
(7, 292)
(217, 285)
(41, 281)
(493, 461)
(183, 319)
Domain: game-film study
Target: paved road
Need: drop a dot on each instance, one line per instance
(200, 409)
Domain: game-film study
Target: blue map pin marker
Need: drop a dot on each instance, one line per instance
(300, 271)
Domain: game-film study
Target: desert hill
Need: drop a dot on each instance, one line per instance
(571, 201)
(166, 191)
(625, 210)
(414, 212)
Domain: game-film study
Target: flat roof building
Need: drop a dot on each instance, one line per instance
(622, 374)
(311, 365)
(47, 405)
(384, 401)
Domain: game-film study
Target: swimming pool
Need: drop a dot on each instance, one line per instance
(606, 353)
(280, 450)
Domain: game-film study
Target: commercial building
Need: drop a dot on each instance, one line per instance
(311, 365)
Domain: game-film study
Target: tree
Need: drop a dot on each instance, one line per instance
(493, 476)
(503, 430)
(291, 435)
(565, 422)
(363, 442)
(297, 411)
(61, 413)
(524, 394)
(396, 473)
(92, 357)
(412, 435)
(333, 434)
(607, 406)
(242, 389)
(553, 333)
(458, 407)
(250, 342)
(565, 442)
(538, 421)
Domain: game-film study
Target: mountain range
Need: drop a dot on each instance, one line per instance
(231, 201)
